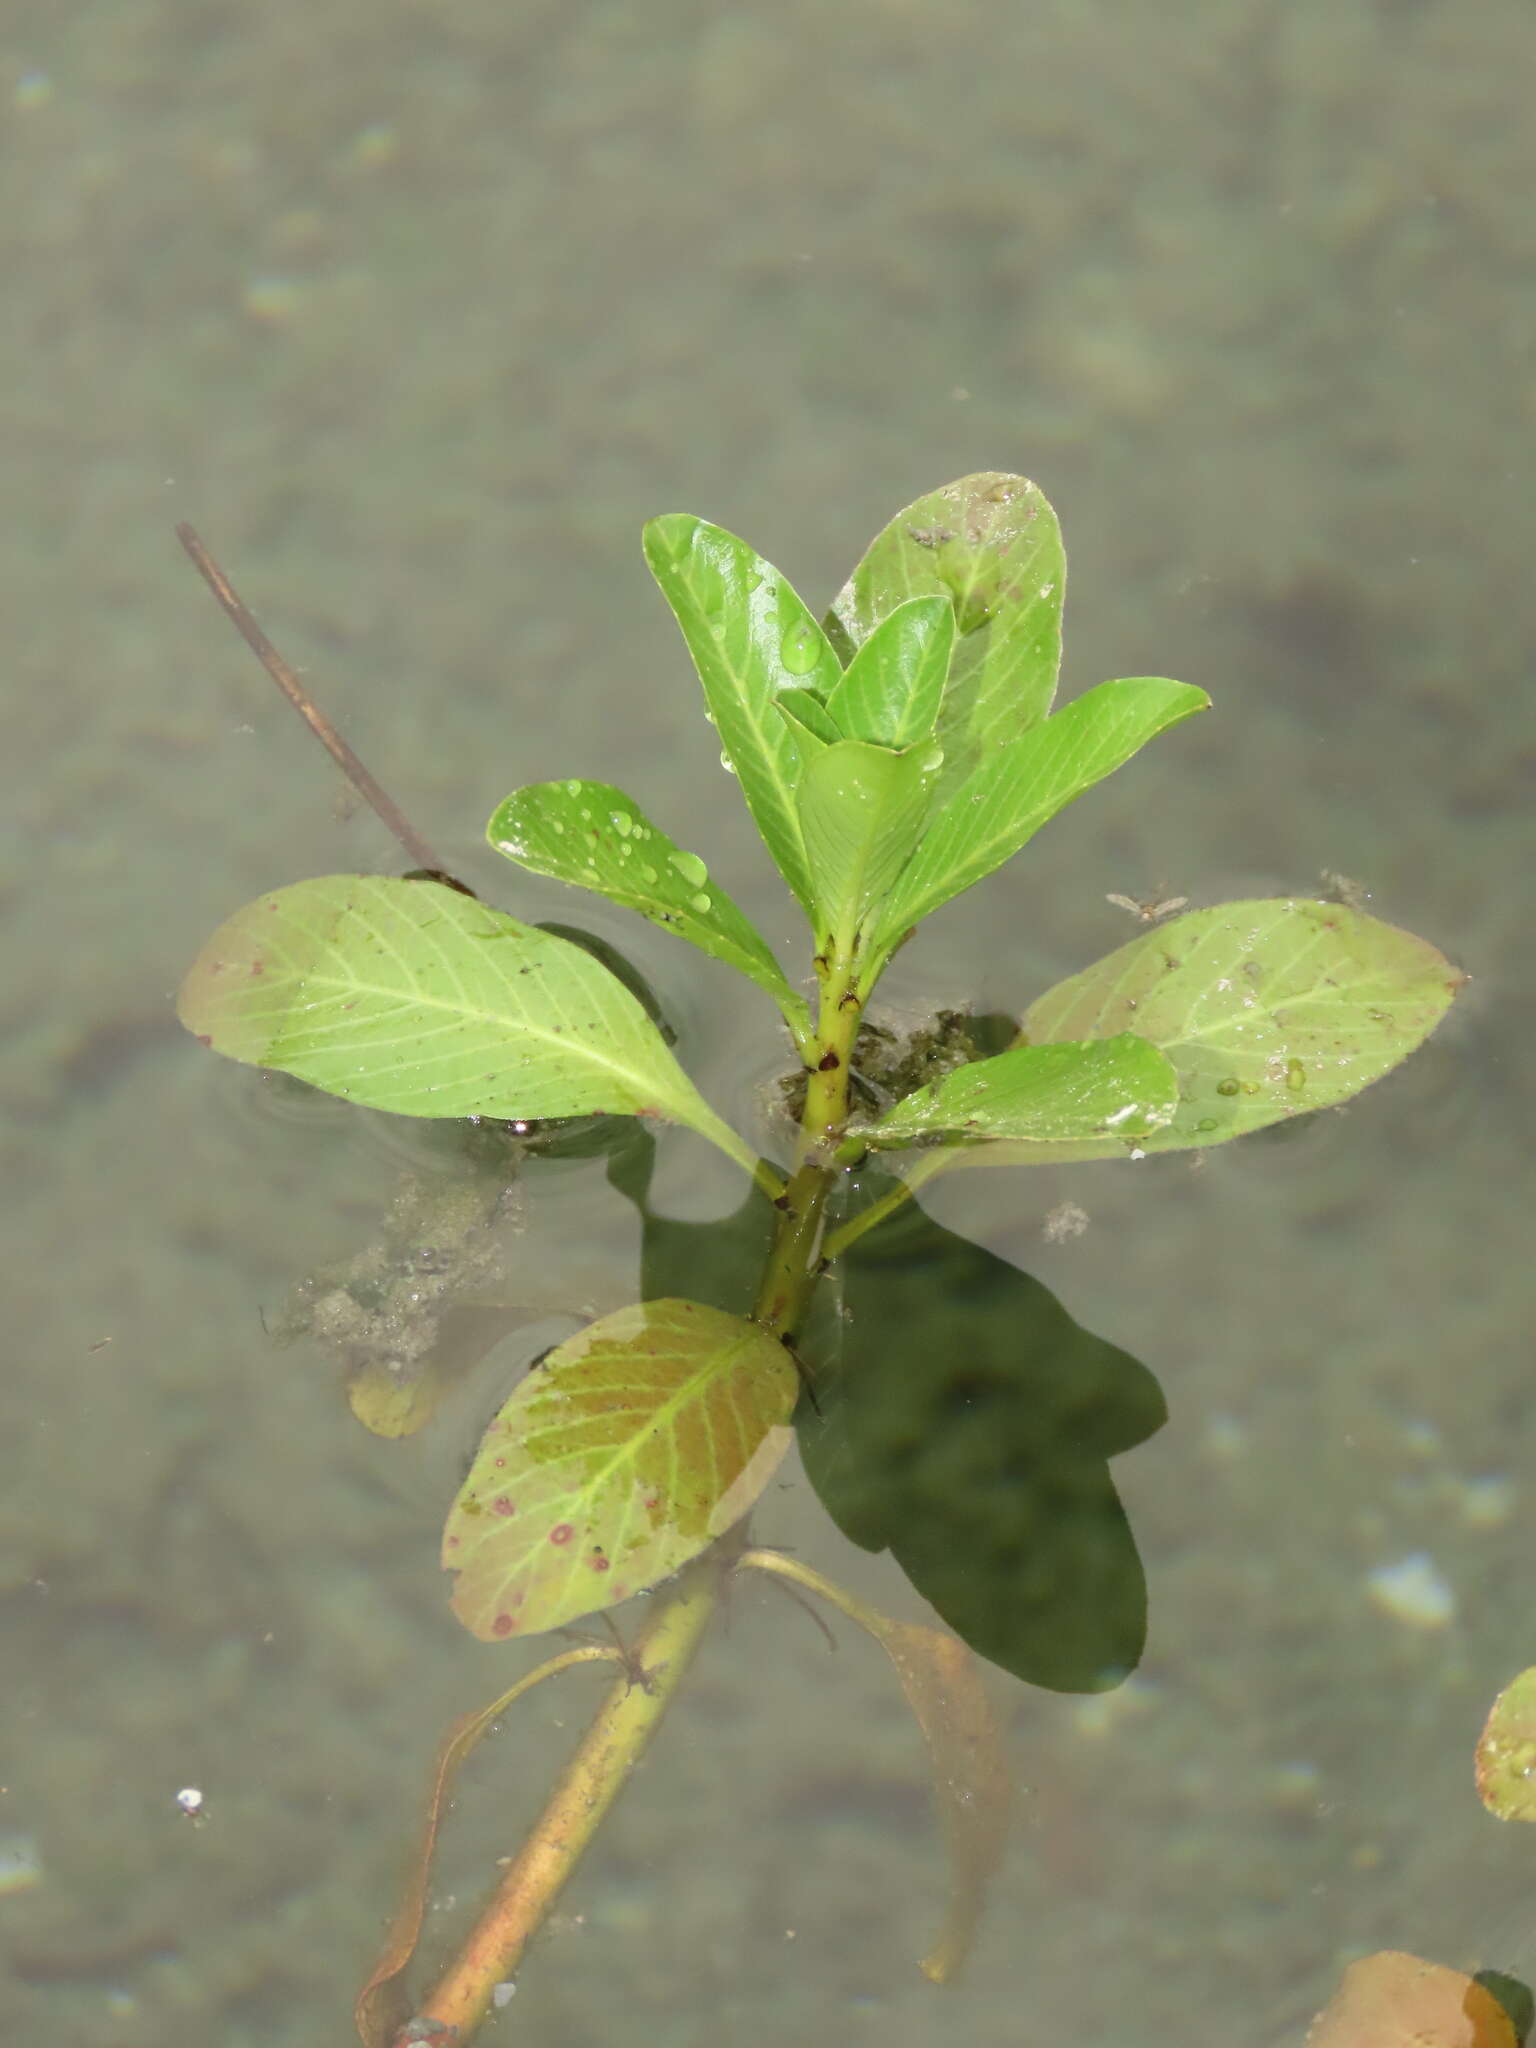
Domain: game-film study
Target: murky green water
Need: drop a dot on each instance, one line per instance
(417, 313)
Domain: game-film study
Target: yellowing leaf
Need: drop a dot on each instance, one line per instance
(1265, 1009)
(630, 1449)
(411, 997)
(1506, 1752)
(1391, 2000)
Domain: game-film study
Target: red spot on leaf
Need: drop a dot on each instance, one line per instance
(258, 967)
(502, 1506)
(599, 1563)
(561, 1533)
(452, 1543)
(503, 1625)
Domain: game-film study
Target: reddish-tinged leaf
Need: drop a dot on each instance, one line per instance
(630, 1449)
(972, 1785)
(1391, 2000)
(972, 1788)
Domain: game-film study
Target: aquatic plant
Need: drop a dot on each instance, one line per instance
(892, 754)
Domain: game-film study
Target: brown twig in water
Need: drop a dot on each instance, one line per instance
(381, 803)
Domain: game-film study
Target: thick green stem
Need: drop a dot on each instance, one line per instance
(797, 1259)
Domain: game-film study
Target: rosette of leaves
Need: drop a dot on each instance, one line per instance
(892, 753)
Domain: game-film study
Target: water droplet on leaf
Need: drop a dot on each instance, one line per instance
(690, 867)
(709, 587)
(701, 901)
(799, 650)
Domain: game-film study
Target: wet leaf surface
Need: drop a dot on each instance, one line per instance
(892, 689)
(628, 1450)
(1266, 1009)
(1506, 1752)
(1021, 785)
(1114, 1087)
(860, 807)
(751, 637)
(411, 997)
(593, 836)
(991, 544)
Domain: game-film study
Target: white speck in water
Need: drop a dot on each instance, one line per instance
(1067, 1220)
(1413, 1591)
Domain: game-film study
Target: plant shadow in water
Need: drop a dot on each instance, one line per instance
(962, 1420)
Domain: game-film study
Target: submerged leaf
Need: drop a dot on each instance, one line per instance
(1020, 786)
(382, 2008)
(972, 1784)
(751, 637)
(1391, 2000)
(633, 1446)
(1117, 1087)
(1506, 1752)
(991, 545)
(595, 837)
(411, 997)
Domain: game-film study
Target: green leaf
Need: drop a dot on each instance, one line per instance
(594, 836)
(1265, 1009)
(1120, 1088)
(412, 997)
(860, 809)
(750, 637)
(1021, 786)
(633, 1446)
(891, 690)
(1506, 1752)
(808, 719)
(991, 545)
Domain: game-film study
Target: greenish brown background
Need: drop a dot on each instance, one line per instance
(417, 312)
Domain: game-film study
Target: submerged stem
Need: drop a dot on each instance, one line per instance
(596, 1773)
